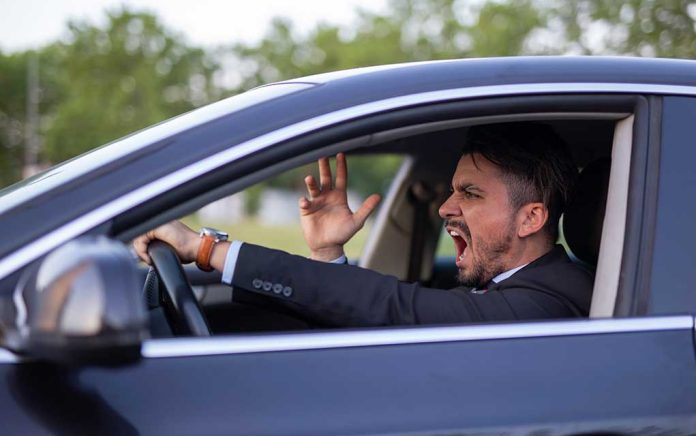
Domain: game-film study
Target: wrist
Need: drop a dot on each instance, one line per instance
(327, 254)
(208, 240)
(219, 255)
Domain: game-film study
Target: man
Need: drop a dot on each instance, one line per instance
(509, 190)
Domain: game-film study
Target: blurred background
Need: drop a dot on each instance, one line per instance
(77, 74)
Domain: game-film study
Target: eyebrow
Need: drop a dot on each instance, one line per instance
(467, 186)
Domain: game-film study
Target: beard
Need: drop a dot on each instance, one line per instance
(487, 256)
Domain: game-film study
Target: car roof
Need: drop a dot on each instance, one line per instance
(521, 69)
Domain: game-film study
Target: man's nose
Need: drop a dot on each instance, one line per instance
(449, 208)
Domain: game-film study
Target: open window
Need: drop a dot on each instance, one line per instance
(405, 238)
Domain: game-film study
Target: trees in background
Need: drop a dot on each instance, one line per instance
(412, 30)
(99, 85)
(12, 115)
(121, 78)
(655, 28)
(107, 81)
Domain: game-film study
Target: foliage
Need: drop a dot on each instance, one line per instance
(662, 28)
(129, 75)
(413, 30)
(12, 113)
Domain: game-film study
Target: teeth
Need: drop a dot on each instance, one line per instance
(453, 233)
(461, 256)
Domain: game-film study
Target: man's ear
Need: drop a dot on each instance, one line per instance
(531, 218)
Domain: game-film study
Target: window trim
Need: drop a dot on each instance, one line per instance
(243, 344)
(606, 285)
(636, 266)
(255, 343)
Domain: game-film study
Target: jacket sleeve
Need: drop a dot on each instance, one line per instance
(348, 295)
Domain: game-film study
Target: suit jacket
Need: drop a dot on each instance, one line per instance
(552, 286)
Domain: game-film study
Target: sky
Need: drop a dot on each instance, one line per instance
(26, 24)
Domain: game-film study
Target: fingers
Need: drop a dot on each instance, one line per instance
(140, 246)
(174, 233)
(312, 187)
(366, 209)
(324, 173)
(305, 206)
(341, 172)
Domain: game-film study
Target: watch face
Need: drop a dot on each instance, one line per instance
(218, 234)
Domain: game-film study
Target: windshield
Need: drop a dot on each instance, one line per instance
(73, 168)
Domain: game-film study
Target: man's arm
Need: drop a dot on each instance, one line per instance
(185, 242)
(349, 296)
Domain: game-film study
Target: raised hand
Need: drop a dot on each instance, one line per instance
(327, 221)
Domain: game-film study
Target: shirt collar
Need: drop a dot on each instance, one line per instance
(505, 275)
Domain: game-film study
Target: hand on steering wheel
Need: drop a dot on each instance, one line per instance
(180, 305)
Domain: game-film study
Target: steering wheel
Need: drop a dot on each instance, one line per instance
(179, 302)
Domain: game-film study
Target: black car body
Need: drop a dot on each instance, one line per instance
(628, 369)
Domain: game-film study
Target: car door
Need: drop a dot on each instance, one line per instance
(622, 376)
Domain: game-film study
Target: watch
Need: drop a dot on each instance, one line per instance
(209, 237)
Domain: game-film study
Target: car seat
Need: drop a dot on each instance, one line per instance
(584, 217)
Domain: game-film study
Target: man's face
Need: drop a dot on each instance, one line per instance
(480, 220)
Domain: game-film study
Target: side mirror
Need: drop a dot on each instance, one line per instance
(81, 305)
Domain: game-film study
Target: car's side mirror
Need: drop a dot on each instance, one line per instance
(81, 305)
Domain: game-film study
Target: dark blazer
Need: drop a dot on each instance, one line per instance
(550, 287)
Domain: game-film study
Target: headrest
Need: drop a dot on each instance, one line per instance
(584, 217)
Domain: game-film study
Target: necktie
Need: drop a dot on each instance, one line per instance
(483, 289)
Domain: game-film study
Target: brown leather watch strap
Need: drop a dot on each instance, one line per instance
(205, 250)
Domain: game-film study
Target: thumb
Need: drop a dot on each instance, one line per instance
(366, 209)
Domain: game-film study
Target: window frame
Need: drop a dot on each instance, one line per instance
(320, 148)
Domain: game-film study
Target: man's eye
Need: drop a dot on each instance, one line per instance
(470, 195)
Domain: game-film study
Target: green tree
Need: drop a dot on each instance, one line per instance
(655, 28)
(412, 30)
(13, 104)
(118, 79)
(12, 114)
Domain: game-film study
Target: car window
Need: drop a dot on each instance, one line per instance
(267, 213)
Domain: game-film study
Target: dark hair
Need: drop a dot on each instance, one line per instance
(534, 162)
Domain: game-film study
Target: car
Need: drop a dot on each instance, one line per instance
(86, 350)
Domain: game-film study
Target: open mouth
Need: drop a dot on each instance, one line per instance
(460, 243)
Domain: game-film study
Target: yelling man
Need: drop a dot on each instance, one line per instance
(508, 192)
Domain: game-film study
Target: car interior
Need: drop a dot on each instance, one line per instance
(405, 232)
